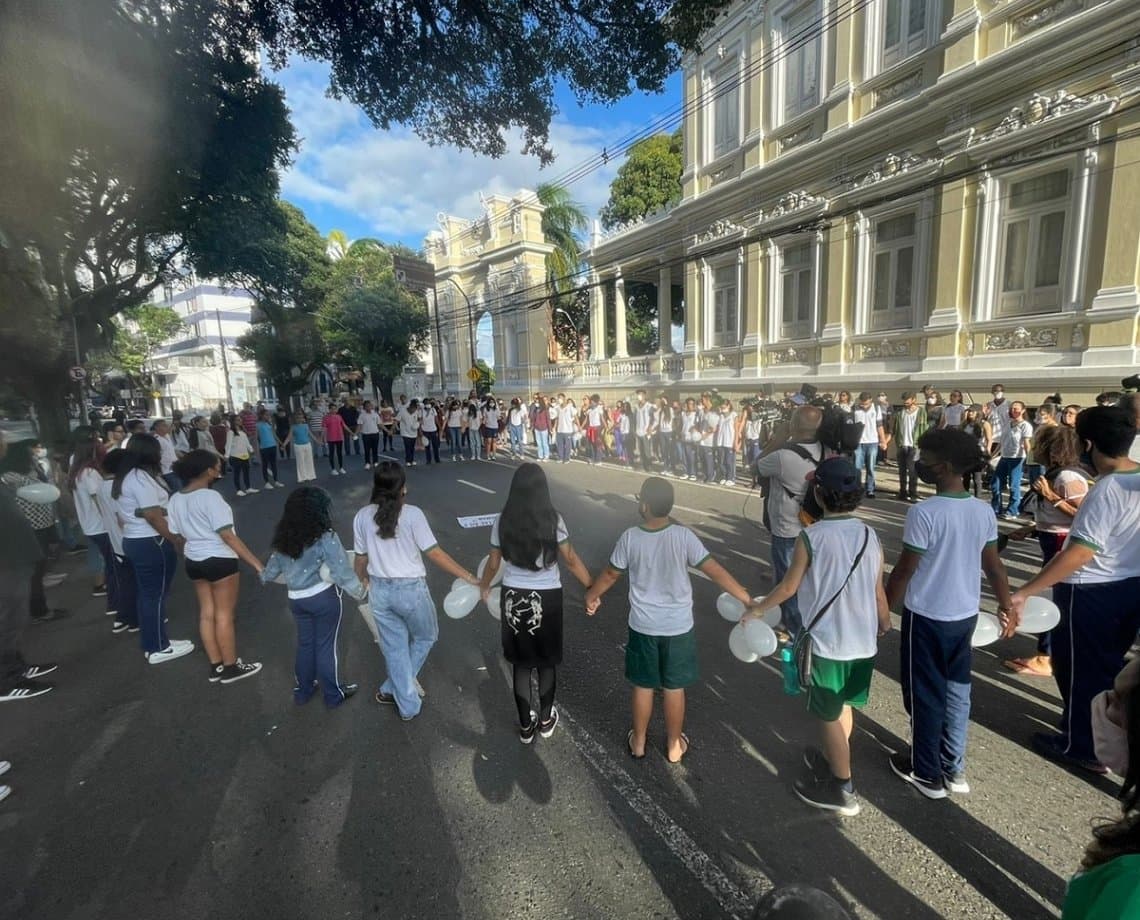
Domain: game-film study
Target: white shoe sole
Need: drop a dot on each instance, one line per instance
(5, 766)
(848, 811)
(933, 794)
(255, 669)
(169, 655)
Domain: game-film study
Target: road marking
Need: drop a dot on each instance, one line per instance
(731, 898)
(690, 510)
(476, 486)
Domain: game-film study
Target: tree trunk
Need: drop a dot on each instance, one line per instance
(50, 400)
(383, 385)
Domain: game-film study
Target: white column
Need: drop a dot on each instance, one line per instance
(621, 348)
(664, 311)
(597, 319)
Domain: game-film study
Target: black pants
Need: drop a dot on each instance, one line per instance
(354, 445)
(336, 455)
(389, 441)
(908, 481)
(432, 446)
(13, 622)
(371, 448)
(241, 473)
(409, 450)
(269, 464)
(645, 452)
(37, 600)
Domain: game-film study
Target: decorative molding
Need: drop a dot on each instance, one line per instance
(799, 200)
(1078, 337)
(887, 348)
(1038, 110)
(893, 166)
(796, 138)
(716, 360)
(718, 229)
(1023, 338)
(791, 356)
(1045, 15)
(892, 92)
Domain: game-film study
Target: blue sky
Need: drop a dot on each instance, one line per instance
(391, 185)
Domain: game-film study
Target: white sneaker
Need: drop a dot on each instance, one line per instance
(419, 689)
(280, 485)
(368, 466)
(50, 581)
(176, 649)
(5, 766)
(251, 491)
(5, 791)
(241, 492)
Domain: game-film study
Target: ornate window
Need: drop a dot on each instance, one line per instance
(726, 109)
(893, 245)
(1033, 231)
(799, 39)
(795, 288)
(898, 30)
(726, 305)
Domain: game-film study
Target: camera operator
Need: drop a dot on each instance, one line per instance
(786, 463)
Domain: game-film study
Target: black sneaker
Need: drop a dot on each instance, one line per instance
(239, 670)
(527, 732)
(55, 613)
(99, 592)
(817, 763)
(38, 670)
(1052, 746)
(901, 765)
(25, 690)
(827, 794)
(77, 551)
(120, 627)
(216, 671)
(386, 698)
(546, 729)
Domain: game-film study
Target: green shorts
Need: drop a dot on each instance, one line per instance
(835, 684)
(661, 662)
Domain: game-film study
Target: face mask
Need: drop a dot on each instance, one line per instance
(930, 400)
(1110, 741)
(999, 396)
(925, 473)
(39, 453)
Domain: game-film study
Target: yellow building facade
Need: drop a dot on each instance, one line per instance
(879, 194)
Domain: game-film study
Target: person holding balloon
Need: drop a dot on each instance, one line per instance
(528, 540)
(837, 571)
(391, 538)
(661, 651)
(1097, 579)
(37, 500)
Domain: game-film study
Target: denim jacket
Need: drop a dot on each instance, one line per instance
(305, 571)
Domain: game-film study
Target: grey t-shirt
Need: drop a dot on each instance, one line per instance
(787, 472)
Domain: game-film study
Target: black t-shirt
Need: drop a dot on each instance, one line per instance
(348, 415)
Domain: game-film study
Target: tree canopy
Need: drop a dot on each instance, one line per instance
(650, 178)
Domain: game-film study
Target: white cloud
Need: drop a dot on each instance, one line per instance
(396, 183)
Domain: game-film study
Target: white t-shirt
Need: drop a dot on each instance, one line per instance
(1134, 451)
(455, 418)
(140, 492)
(516, 416)
(594, 416)
(545, 578)
(726, 433)
(660, 590)
(688, 420)
(429, 420)
(566, 415)
(166, 445)
(86, 508)
(949, 533)
(369, 422)
(907, 423)
(398, 557)
(849, 630)
(1108, 522)
(952, 414)
(1068, 484)
(409, 423)
(872, 419)
(1013, 438)
(644, 414)
(112, 525)
(491, 417)
(998, 416)
(200, 516)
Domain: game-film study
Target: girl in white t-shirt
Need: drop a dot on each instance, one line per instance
(141, 498)
(391, 538)
(212, 549)
(122, 589)
(83, 477)
(837, 573)
(528, 539)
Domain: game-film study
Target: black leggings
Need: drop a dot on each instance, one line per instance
(547, 680)
(409, 450)
(336, 455)
(371, 447)
(241, 472)
(269, 464)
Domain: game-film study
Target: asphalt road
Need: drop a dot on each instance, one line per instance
(146, 792)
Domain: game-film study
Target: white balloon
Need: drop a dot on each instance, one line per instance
(366, 612)
(483, 565)
(759, 637)
(739, 647)
(771, 617)
(729, 607)
(38, 493)
(987, 631)
(459, 583)
(1040, 615)
(326, 573)
(494, 601)
(461, 601)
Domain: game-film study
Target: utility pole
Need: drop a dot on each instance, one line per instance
(438, 340)
(225, 361)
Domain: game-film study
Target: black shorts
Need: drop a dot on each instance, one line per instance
(213, 569)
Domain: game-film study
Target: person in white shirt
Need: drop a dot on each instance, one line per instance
(429, 428)
(726, 445)
(1097, 579)
(391, 538)
(161, 430)
(953, 412)
(516, 426)
(1014, 445)
(837, 572)
(660, 652)
(566, 422)
(368, 427)
(122, 587)
(84, 476)
(945, 538)
(212, 549)
(490, 427)
(529, 539)
(645, 426)
(454, 430)
(408, 419)
(872, 439)
(141, 498)
(690, 438)
(996, 412)
(238, 452)
(595, 417)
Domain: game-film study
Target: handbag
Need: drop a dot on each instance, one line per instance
(802, 649)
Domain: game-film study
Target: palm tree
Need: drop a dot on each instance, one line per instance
(338, 244)
(562, 220)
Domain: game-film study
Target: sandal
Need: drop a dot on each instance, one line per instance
(629, 747)
(684, 749)
(1029, 667)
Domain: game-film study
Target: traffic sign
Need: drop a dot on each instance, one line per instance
(414, 274)
(77, 374)
(473, 374)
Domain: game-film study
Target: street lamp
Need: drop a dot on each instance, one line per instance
(576, 329)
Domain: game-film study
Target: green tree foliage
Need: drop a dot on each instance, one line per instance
(139, 140)
(486, 380)
(563, 222)
(649, 179)
(460, 71)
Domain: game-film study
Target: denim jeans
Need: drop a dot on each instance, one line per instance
(516, 432)
(453, 440)
(708, 460)
(665, 449)
(1007, 474)
(865, 456)
(726, 457)
(155, 563)
(782, 550)
(645, 452)
(935, 678)
(690, 454)
(406, 620)
(542, 442)
(565, 443)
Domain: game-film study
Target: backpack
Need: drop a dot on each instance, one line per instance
(839, 430)
(810, 511)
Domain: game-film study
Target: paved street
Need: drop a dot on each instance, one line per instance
(147, 792)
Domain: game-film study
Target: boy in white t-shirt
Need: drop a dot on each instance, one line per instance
(661, 653)
(935, 579)
(837, 572)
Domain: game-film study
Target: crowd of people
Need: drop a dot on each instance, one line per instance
(142, 497)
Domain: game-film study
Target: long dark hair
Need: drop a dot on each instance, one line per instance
(307, 516)
(143, 453)
(1122, 837)
(388, 496)
(528, 526)
(20, 458)
(86, 456)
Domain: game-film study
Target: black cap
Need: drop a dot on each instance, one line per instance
(838, 474)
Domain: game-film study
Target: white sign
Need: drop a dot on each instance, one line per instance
(477, 520)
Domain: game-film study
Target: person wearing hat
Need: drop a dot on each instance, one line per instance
(837, 572)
